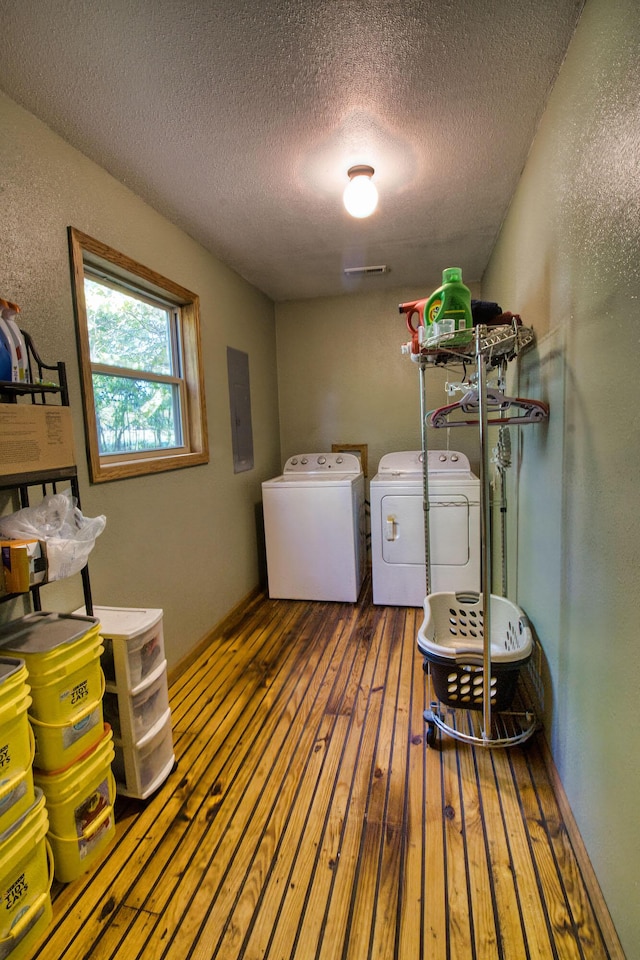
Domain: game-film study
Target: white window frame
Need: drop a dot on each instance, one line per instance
(95, 260)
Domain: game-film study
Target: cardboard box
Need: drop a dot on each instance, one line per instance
(35, 437)
(24, 564)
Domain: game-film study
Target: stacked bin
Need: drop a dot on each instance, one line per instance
(16, 742)
(26, 871)
(80, 801)
(73, 748)
(136, 700)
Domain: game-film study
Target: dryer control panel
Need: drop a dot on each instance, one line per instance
(410, 462)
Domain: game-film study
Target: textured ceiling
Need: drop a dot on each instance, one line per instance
(238, 119)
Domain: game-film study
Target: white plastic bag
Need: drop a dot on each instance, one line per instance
(69, 536)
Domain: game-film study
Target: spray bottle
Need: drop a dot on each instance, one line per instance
(450, 302)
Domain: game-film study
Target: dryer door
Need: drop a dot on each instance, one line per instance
(402, 519)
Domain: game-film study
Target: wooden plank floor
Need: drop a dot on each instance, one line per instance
(308, 819)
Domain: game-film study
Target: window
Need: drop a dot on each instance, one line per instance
(139, 349)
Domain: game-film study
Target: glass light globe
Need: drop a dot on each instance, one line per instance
(360, 195)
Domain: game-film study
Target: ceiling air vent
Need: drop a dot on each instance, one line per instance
(365, 271)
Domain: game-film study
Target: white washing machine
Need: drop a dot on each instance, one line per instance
(397, 527)
(314, 523)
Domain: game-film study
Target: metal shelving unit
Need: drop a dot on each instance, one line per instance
(487, 348)
(47, 384)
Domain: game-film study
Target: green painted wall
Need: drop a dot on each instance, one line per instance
(343, 379)
(187, 540)
(568, 260)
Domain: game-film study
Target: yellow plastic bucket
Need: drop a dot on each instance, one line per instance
(62, 656)
(26, 875)
(59, 744)
(13, 680)
(80, 802)
(16, 743)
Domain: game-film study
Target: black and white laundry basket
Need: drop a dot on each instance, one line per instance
(451, 640)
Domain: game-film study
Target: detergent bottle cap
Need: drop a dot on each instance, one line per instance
(452, 275)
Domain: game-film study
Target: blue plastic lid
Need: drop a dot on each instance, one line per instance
(6, 372)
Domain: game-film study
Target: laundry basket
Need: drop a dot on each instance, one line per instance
(451, 640)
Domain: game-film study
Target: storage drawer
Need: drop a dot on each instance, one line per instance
(133, 642)
(140, 768)
(132, 715)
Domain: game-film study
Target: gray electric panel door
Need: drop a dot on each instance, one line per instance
(240, 407)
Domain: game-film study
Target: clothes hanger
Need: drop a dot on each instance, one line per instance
(525, 411)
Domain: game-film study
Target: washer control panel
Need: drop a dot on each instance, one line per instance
(322, 462)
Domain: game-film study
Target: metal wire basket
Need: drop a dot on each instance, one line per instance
(497, 344)
(451, 640)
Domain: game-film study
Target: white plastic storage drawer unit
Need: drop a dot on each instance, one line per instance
(132, 713)
(142, 767)
(133, 643)
(136, 701)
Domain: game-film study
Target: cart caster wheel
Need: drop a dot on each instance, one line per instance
(431, 735)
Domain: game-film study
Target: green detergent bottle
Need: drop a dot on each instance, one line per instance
(451, 301)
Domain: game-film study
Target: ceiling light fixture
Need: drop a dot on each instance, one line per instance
(360, 195)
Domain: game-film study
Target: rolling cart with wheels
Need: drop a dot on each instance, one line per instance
(451, 641)
(474, 650)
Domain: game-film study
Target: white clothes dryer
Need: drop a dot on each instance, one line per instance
(314, 523)
(398, 523)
